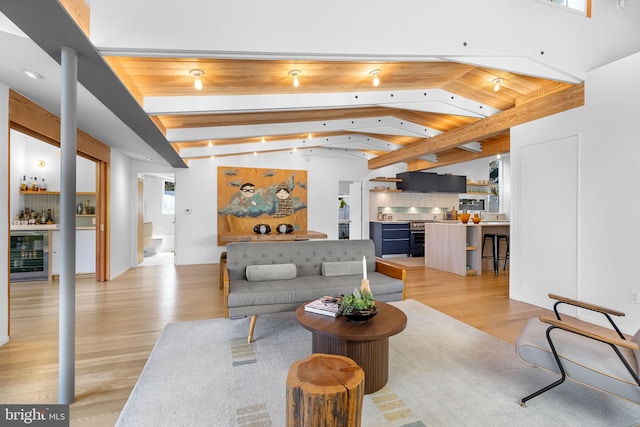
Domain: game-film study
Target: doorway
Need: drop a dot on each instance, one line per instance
(156, 219)
(37, 163)
(350, 210)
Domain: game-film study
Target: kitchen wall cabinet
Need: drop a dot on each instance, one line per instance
(390, 238)
(427, 182)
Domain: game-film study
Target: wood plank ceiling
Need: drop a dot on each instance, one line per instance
(248, 106)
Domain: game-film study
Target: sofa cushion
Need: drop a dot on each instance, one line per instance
(260, 273)
(341, 268)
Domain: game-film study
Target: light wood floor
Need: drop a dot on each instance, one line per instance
(118, 322)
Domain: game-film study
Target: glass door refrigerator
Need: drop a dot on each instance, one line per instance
(29, 256)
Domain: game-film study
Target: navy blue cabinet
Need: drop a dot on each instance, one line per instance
(390, 238)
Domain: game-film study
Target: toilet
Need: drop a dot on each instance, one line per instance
(151, 244)
(153, 247)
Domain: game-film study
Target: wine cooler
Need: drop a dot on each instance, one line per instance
(29, 256)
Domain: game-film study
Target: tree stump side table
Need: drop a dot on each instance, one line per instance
(325, 390)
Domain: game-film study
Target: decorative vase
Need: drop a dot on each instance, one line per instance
(360, 316)
(476, 219)
(464, 217)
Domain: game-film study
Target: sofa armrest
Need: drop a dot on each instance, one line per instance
(393, 271)
(225, 281)
(589, 334)
(588, 306)
(606, 312)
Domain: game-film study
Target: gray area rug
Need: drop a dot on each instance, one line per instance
(441, 373)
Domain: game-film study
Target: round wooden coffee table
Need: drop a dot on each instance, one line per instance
(366, 343)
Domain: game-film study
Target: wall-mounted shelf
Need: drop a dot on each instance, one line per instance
(56, 193)
(383, 179)
(478, 184)
(386, 190)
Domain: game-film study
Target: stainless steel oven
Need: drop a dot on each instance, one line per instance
(416, 240)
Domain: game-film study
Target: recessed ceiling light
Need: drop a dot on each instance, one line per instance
(34, 75)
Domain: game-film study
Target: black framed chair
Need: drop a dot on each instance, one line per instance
(609, 364)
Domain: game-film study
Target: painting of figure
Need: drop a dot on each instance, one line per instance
(248, 196)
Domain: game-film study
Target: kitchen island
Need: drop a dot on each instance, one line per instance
(457, 248)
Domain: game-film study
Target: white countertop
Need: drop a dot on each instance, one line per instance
(43, 227)
(471, 224)
(33, 227)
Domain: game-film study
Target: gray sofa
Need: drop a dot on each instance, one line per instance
(272, 277)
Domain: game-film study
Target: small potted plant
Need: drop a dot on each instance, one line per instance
(359, 306)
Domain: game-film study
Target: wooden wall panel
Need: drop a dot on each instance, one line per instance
(30, 118)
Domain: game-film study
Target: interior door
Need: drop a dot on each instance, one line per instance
(140, 220)
(355, 210)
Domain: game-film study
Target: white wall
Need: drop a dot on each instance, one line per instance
(196, 189)
(123, 232)
(476, 170)
(25, 153)
(4, 215)
(603, 173)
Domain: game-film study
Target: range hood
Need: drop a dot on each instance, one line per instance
(429, 182)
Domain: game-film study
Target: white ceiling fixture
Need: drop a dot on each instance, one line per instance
(376, 80)
(496, 83)
(197, 74)
(295, 74)
(34, 74)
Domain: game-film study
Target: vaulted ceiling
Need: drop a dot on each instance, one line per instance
(252, 106)
(436, 103)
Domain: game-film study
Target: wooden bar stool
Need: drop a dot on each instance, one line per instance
(495, 239)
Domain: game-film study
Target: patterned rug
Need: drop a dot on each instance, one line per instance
(442, 372)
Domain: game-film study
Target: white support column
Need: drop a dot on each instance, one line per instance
(68, 146)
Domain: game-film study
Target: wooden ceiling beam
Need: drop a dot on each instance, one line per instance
(497, 145)
(556, 102)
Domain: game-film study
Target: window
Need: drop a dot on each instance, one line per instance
(168, 198)
(583, 6)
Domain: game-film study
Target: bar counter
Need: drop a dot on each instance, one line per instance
(457, 248)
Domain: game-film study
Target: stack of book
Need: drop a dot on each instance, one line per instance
(327, 306)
